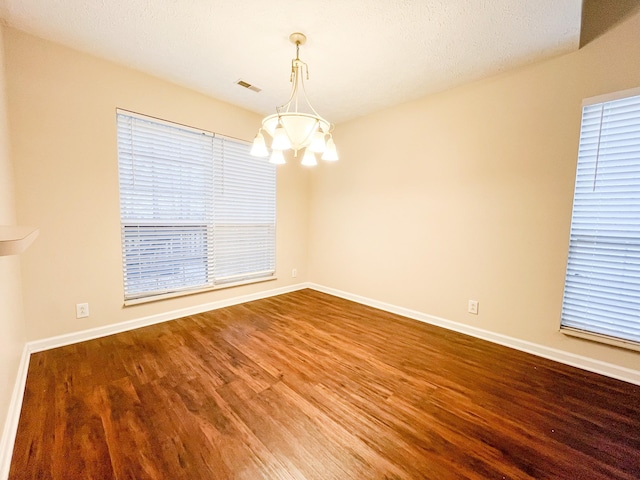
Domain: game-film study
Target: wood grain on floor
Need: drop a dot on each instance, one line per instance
(309, 386)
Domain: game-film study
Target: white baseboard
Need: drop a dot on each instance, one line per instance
(13, 415)
(585, 363)
(84, 335)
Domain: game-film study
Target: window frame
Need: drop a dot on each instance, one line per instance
(245, 279)
(570, 330)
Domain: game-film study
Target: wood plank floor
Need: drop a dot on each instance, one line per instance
(309, 386)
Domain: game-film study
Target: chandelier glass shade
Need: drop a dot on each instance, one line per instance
(293, 127)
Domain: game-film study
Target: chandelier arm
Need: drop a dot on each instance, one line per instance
(304, 92)
(294, 90)
(298, 70)
(297, 65)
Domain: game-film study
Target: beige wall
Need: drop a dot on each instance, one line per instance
(467, 195)
(12, 326)
(62, 114)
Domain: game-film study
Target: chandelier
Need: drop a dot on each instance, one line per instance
(293, 126)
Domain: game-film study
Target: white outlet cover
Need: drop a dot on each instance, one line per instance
(82, 310)
(473, 307)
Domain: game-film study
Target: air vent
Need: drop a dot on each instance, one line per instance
(244, 84)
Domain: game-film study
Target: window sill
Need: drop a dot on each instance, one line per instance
(165, 296)
(595, 337)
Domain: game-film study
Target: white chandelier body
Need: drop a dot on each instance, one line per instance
(293, 129)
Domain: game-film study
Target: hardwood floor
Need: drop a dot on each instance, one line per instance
(309, 386)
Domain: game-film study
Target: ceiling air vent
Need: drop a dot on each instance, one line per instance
(244, 84)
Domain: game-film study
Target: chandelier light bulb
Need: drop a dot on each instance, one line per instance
(280, 139)
(318, 144)
(277, 158)
(259, 147)
(330, 154)
(309, 159)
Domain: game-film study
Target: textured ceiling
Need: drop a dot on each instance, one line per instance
(363, 55)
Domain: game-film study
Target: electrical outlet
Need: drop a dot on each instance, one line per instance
(473, 307)
(82, 310)
(294, 273)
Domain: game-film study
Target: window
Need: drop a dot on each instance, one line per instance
(602, 286)
(197, 211)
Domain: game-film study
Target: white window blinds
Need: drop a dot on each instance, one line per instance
(196, 209)
(602, 287)
(244, 213)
